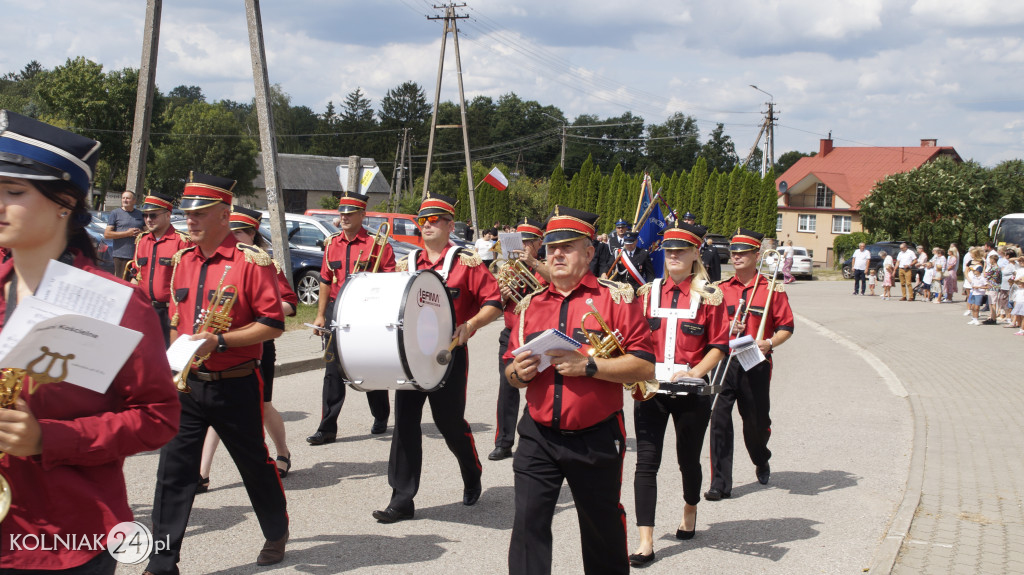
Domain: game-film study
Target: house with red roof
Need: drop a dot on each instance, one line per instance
(819, 195)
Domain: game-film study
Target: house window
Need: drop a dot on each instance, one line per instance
(841, 224)
(778, 222)
(807, 223)
(823, 197)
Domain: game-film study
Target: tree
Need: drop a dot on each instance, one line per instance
(187, 94)
(18, 90)
(1008, 180)
(674, 145)
(787, 160)
(405, 106)
(719, 151)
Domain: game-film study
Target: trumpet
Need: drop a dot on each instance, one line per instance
(215, 319)
(372, 263)
(610, 345)
(515, 276)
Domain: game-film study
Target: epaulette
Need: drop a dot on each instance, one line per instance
(619, 291)
(177, 255)
(332, 236)
(183, 235)
(277, 266)
(779, 287)
(469, 258)
(402, 265)
(138, 237)
(175, 259)
(709, 292)
(644, 289)
(255, 255)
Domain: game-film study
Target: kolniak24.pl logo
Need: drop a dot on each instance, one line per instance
(128, 542)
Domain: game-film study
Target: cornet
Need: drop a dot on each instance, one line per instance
(215, 319)
(610, 345)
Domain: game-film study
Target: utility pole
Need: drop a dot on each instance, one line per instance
(450, 18)
(144, 99)
(268, 140)
(562, 162)
(768, 154)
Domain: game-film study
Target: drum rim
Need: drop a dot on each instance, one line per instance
(401, 330)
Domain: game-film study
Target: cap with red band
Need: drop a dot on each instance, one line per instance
(352, 202)
(204, 190)
(437, 204)
(154, 202)
(530, 229)
(683, 236)
(242, 218)
(745, 240)
(567, 224)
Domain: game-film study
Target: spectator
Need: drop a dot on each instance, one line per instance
(888, 268)
(973, 258)
(861, 257)
(905, 263)
(993, 279)
(949, 274)
(924, 286)
(919, 265)
(976, 280)
(469, 231)
(1018, 297)
(938, 265)
(485, 246)
(123, 225)
(787, 261)
(1007, 271)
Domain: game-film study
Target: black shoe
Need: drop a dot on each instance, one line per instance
(716, 495)
(320, 438)
(640, 560)
(379, 426)
(500, 453)
(204, 484)
(471, 495)
(391, 515)
(686, 535)
(763, 473)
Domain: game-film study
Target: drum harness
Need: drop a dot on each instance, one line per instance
(665, 369)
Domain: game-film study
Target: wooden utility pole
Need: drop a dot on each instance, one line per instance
(268, 141)
(144, 99)
(450, 19)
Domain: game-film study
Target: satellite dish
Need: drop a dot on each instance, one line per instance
(783, 186)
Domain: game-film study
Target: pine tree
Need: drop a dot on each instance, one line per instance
(556, 189)
(588, 197)
(719, 214)
(699, 196)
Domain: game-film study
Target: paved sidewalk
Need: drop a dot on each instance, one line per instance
(966, 487)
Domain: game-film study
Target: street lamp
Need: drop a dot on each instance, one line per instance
(562, 122)
(768, 158)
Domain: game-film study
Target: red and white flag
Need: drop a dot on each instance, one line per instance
(496, 179)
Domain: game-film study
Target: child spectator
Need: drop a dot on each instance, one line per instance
(977, 284)
(938, 263)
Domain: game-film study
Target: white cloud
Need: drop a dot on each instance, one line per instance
(969, 13)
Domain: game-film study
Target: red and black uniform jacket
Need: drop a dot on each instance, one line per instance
(341, 256)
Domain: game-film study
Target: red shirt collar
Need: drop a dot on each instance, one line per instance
(683, 286)
(360, 235)
(224, 250)
(588, 282)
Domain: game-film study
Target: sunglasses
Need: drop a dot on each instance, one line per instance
(432, 219)
(148, 215)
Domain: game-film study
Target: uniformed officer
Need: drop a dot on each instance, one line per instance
(691, 336)
(572, 429)
(615, 241)
(748, 389)
(345, 251)
(633, 265)
(477, 303)
(531, 231)
(154, 248)
(226, 389)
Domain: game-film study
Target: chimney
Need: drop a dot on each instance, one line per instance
(825, 147)
(929, 142)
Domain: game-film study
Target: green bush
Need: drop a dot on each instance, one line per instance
(845, 245)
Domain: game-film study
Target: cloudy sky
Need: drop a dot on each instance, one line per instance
(873, 72)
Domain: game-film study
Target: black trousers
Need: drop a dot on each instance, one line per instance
(233, 407)
(165, 322)
(508, 400)
(690, 416)
(448, 409)
(101, 564)
(591, 463)
(334, 395)
(749, 391)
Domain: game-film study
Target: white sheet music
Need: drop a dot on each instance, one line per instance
(746, 351)
(510, 242)
(182, 351)
(80, 292)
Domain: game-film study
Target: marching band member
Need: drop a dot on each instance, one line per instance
(245, 224)
(477, 303)
(691, 335)
(747, 388)
(508, 397)
(227, 388)
(572, 429)
(343, 252)
(154, 249)
(65, 445)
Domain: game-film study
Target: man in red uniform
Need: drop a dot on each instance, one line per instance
(226, 389)
(572, 428)
(532, 232)
(748, 389)
(347, 252)
(154, 249)
(477, 303)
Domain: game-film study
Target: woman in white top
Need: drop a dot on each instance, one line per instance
(787, 262)
(949, 274)
(938, 263)
(889, 267)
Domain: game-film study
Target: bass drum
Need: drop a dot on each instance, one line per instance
(390, 327)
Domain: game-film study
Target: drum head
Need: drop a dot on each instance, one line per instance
(428, 323)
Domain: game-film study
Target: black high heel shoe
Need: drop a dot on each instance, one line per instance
(204, 484)
(640, 560)
(685, 535)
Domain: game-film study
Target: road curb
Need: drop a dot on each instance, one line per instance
(888, 550)
(298, 366)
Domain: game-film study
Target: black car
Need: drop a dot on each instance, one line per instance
(875, 263)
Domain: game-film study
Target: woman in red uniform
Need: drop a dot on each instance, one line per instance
(244, 224)
(65, 445)
(690, 328)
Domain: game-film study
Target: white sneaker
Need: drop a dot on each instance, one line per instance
(974, 322)
(967, 313)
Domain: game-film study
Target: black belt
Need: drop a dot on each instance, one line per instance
(573, 432)
(239, 371)
(159, 305)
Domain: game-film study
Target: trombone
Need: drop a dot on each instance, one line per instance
(610, 345)
(372, 263)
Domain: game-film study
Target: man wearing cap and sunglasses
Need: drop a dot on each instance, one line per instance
(748, 388)
(477, 303)
(226, 390)
(154, 248)
(572, 429)
(345, 251)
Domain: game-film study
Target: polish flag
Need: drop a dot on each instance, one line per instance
(496, 179)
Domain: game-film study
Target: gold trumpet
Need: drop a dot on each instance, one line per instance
(12, 381)
(610, 345)
(215, 319)
(515, 276)
(372, 263)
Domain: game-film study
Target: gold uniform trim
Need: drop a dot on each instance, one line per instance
(402, 265)
(255, 255)
(469, 259)
(709, 292)
(619, 291)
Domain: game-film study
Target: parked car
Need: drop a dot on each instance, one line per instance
(875, 263)
(104, 248)
(802, 264)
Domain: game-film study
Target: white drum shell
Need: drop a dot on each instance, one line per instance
(389, 328)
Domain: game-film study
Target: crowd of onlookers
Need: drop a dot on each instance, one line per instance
(993, 280)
